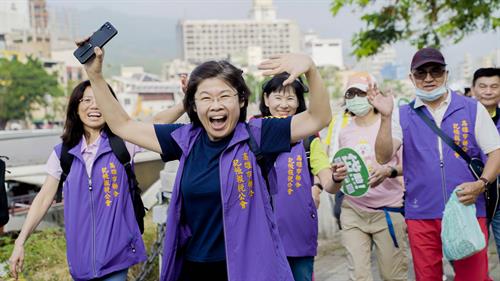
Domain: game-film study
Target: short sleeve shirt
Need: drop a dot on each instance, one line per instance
(485, 132)
(200, 183)
(53, 165)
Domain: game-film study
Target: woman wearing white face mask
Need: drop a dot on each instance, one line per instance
(372, 219)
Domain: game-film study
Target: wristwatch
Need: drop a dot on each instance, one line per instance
(394, 172)
(485, 181)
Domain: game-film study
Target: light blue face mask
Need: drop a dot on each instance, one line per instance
(432, 95)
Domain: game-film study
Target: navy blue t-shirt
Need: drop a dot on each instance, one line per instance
(200, 183)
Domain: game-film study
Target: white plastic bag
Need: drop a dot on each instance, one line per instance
(461, 234)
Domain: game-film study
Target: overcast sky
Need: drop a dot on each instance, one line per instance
(310, 14)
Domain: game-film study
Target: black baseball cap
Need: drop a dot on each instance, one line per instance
(427, 55)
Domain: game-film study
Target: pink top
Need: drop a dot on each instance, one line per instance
(53, 166)
(362, 139)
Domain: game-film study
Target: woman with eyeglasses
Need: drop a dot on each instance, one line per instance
(102, 235)
(374, 220)
(220, 224)
(297, 178)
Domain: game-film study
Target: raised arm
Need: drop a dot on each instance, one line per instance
(169, 115)
(42, 202)
(172, 114)
(319, 114)
(385, 145)
(141, 134)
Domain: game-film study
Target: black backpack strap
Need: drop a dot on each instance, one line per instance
(449, 141)
(255, 148)
(120, 150)
(264, 163)
(4, 205)
(307, 147)
(65, 160)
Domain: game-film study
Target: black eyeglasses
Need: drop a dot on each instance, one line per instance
(352, 92)
(435, 72)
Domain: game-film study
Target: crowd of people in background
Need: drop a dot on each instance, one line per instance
(246, 192)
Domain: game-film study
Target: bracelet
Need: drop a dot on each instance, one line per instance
(319, 185)
(394, 172)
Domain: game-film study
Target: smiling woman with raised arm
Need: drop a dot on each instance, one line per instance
(220, 221)
(297, 178)
(103, 238)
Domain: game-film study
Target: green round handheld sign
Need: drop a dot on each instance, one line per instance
(356, 182)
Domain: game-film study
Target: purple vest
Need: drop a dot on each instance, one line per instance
(102, 235)
(294, 207)
(253, 246)
(428, 181)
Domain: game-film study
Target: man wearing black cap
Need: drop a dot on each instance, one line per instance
(431, 169)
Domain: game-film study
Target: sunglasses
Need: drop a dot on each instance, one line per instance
(352, 92)
(435, 72)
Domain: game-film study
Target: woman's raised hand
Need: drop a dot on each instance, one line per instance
(94, 65)
(383, 103)
(294, 64)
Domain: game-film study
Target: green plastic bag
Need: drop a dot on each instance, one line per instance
(461, 234)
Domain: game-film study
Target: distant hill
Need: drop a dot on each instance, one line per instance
(140, 41)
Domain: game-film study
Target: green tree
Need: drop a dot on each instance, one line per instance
(22, 87)
(422, 22)
(254, 83)
(332, 80)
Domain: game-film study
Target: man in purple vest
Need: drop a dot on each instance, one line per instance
(486, 89)
(431, 169)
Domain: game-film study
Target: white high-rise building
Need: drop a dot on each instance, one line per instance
(324, 51)
(467, 68)
(263, 10)
(14, 15)
(24, 27)
(203, 40)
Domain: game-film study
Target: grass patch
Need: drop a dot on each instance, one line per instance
(45, 254)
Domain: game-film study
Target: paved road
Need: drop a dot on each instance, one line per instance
(28, 148)
(331, 263)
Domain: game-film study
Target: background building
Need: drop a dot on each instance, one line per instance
(24, 27)
(376, 63)
(203, 40)
(14, 15)
(143, 94)
(324, 52)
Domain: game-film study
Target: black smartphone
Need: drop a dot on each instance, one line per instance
(98, 39)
